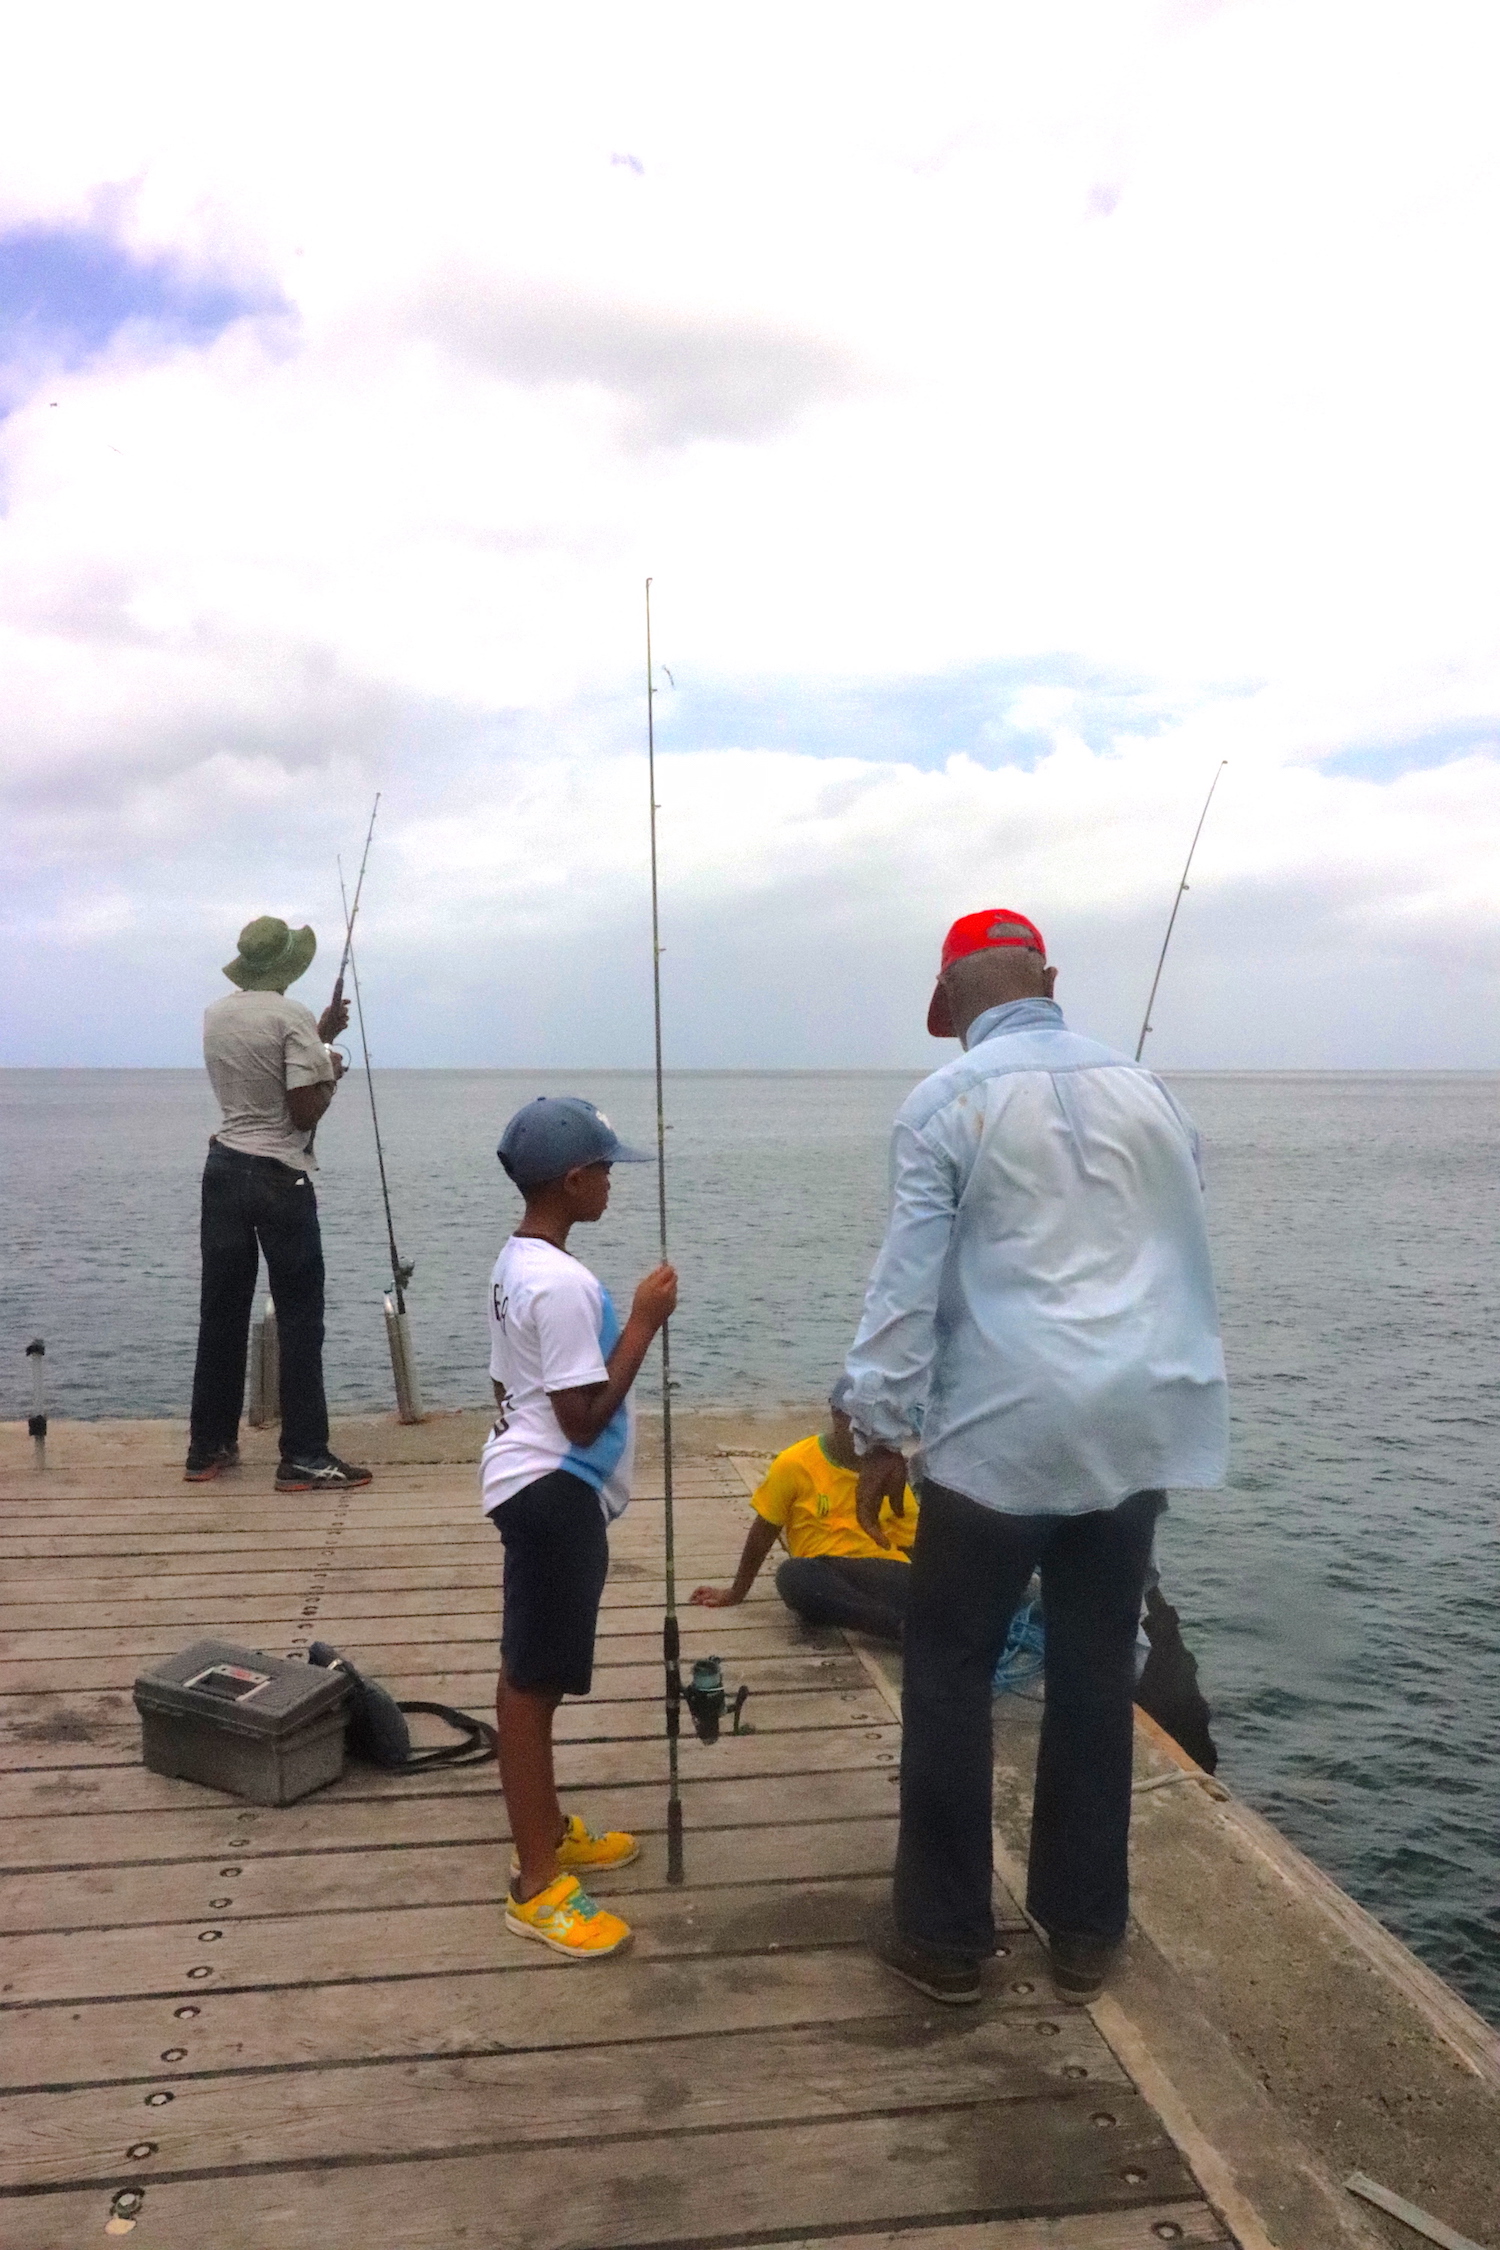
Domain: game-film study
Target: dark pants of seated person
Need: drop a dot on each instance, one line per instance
(859, 1591)
(969, 1568)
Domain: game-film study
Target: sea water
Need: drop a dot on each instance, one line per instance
(1341, 1594)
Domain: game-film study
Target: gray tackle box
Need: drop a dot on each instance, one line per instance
(270, 1728)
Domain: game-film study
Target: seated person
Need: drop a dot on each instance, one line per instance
(835, 1574)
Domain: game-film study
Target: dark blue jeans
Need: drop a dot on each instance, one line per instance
(969, 1569)
(862, 1591)
(250, 1204)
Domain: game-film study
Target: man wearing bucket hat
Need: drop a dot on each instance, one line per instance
(274, 1077)
(1040, 1333)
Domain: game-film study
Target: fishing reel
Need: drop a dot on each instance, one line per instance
(710, 1702)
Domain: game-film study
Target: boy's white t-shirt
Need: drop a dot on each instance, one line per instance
(552, 1327)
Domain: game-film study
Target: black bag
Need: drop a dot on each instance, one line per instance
(376, 1732)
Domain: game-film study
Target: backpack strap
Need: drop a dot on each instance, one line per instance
(476, 1749)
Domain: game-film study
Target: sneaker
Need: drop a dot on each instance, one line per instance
(581, 1849)
(949, 1977)
(1080, 1966)
(204, 1463)
(566, 1918)
(324, 1473)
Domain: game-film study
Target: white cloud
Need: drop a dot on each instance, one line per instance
(1097, 344)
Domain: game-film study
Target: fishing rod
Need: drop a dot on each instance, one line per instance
(350, 917)
(1177, 901)
(403, 1367)
(709, 1702)
(671, 1643)
(400, 1273)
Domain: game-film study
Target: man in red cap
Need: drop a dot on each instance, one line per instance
(1040, 1335)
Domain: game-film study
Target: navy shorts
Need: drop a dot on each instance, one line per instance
(556, 1562)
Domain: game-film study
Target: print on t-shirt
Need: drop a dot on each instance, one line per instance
(552, 1328)
(811, 1501)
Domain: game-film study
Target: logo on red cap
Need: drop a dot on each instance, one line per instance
(996, 925)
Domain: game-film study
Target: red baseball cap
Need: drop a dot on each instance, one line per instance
(979, 933)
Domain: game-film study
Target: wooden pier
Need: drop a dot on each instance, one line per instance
(227, 2027)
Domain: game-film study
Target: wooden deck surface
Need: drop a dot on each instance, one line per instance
(308, 2028)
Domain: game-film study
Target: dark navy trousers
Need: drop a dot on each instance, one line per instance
(253, 1204)
(865, 1592)
(970, 1568)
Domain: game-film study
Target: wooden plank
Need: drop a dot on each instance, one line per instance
(192, 1516)
(1192, 2226)
(773, 1634)
(148, 1636)
(188, 1512)
(1188, 2224)
(630, 1587)
(453, 1483)
(239, 1608)
(300, 1530)
(176, 1960)
(228, 1548)
(493, 2010)
(51, 1590)
(789, 1673)
(991, 2160)
(119, 1533)
(78, 1792)
(68, 1730)
(85, 1903)
(894, 2060)
(352, 1824)
(43, 1587)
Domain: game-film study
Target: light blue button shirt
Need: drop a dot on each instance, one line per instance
(1041, 1316)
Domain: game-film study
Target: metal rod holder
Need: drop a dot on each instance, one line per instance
(265, 1371)
(403, 1365)
(36, 1426)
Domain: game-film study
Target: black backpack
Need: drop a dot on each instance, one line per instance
(376, 1732)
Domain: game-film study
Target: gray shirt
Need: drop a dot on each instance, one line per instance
(256, 1045)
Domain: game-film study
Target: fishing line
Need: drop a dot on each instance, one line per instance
(1177, 901)
(400, 1273)
(351, 916)
(671, 1642)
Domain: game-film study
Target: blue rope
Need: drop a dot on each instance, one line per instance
(1021, 1658)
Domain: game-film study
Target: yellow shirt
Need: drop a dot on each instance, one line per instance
(811, 1501)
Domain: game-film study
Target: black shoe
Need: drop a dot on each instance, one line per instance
(207, 1462)
(1081, 1965)
(948, 1977)
(324, 1472)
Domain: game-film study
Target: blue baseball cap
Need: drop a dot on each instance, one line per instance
(556, 1132)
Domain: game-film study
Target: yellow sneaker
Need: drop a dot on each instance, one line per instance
(566, 1918)
(579, 1849)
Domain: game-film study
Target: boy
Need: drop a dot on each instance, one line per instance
(836, 1574)
(555, 1472)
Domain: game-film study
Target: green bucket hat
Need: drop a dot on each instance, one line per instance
(271, 956)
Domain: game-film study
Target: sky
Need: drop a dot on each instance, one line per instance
(1019, 411)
